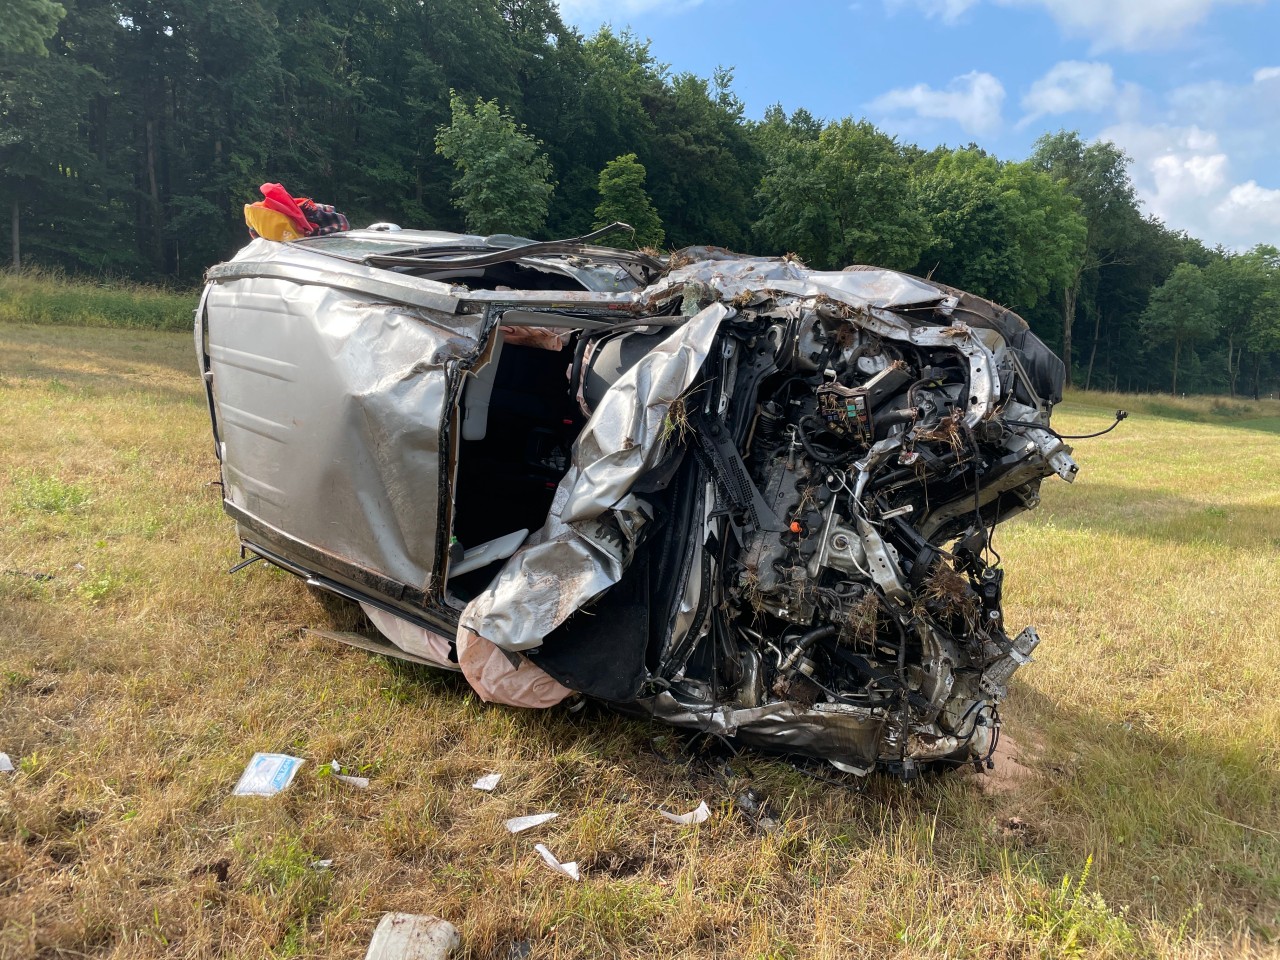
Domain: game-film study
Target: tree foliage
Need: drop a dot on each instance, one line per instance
(1002, 230)
(623, 199)
(844, 197)
(1182, 310)
(131, 133)
(28, 24)
(505, 183)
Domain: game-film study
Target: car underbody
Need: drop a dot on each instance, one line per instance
(729, 492)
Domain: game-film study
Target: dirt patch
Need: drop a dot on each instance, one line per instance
(1013, 765)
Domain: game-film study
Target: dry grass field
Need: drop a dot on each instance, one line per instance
(1135, 813)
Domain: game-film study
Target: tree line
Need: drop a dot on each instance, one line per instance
(133, 131)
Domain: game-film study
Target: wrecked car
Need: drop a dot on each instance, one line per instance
(728, 492)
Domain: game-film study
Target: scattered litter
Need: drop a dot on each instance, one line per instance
(37, 575)
(408, 936)
(518, 824)
(267, 774)
(361, 783)
(6, 765)
(321, 864)
(698, 815)
(756, 809)
(569, 870)
(487, 782)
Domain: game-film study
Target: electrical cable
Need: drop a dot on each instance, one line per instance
(1120, 416)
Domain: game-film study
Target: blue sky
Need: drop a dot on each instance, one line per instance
(1189, 88)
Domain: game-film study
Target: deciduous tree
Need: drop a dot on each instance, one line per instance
(504, 183)
(1182, 310)
(623, 198)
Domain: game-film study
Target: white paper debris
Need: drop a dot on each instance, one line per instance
(569, 870)
(517, 824)
(267, 774)
(487, 782)
(701, 813)
(321, 864)
(407, 936)
(361, 783)
(6, 765)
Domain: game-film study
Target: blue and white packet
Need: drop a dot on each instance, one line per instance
(267, 774)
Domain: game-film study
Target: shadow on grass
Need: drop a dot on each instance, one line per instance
(102, 362)
(1174, 824)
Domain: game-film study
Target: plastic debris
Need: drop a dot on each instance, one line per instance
(6, 765)
(569, 870)
(757, 809)
(697, 815)
(409, 936)
(267, 774)
(488, 782)
(520, 824)
(360, 783)
(321, 864)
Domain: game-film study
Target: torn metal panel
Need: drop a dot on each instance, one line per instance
(593, 526)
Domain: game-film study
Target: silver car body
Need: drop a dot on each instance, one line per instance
(731, 492)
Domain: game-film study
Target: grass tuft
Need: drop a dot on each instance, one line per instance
(48, 494)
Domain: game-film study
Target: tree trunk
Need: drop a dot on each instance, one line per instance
(1068, 319)
(1231, 367)
(1177, 349)
(1093, 352)
(157, 212)
(16, 236)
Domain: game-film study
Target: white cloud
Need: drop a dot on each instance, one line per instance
(1127, 24)
(1070, 86)
(974, 101)
(599, 11)
(948, 11)
(1263, 74)
(1253, 209)
(1184, 176)
(1109, 24)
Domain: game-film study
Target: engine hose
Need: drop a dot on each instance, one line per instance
(805, 643)
(829, 459)
(897, 416)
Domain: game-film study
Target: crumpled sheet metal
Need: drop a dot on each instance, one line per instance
(333, 433)
(868, 289)
(297, 263)
(844, 737)
(584, 547)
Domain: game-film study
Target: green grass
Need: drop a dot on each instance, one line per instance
(33, 296)
(1136, 811)
(1226, 411)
